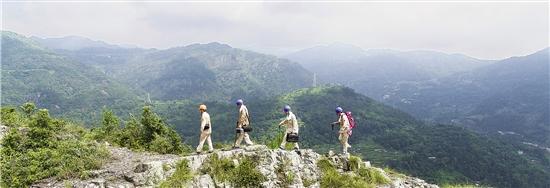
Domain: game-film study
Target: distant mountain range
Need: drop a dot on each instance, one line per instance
(203, 72)
(375, 73)
(75, 43)
(509, 95)
(210, 71)
(512, 95)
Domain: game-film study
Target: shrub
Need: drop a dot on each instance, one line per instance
(363, 177)
(148, 133)
(275, 142)
(11, 118)
(246, 174)
(46, 148)
(28, 108)
(131, 135)
(373, 176)
(180, 177)
(219, 169)
(307, 182)
(283, 175)
(354, 163)
(243, 175)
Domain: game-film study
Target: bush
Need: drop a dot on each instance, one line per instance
(28, 108)
(372, 176)
(243, 175)
(148, 133)
(246, 174)
(45, 148)
(219, 169)
(180, 177)
(283, 175)
(11, 118)
(354, 163)
(109, 129)
(307, 182)
(161, 145)
(275, 142)
(361, 177)
(131, 135)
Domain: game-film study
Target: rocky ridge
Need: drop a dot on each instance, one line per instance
(128, 169)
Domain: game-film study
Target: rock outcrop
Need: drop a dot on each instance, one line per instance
(129, 169)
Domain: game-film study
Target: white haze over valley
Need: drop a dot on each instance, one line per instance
(485, 30)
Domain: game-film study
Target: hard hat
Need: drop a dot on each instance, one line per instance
(239, 102)
(202, 107)
(339, 110)
(286, 108)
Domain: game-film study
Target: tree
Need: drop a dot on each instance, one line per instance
(110, 121)
(28, 108)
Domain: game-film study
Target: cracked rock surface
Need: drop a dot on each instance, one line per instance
(128, 169)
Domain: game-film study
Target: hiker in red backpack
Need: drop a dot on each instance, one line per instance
(345, 129)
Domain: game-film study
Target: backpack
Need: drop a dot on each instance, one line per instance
(351, 122)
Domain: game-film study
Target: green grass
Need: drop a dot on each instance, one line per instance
(358, 176)
(219, 169)
(354, 163)
(373, 176)
(224, 170)
(284, 176)
(180, 177)
(307, 182)
(246, 174)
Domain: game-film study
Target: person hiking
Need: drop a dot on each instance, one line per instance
(344, 129)
(243, 123)
(206, 130)
(291, 125)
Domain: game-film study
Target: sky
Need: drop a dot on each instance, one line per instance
(487, 30)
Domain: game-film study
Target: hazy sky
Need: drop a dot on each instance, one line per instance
(482, 30)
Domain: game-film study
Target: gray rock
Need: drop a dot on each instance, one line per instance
(202, 181)
(129, 169)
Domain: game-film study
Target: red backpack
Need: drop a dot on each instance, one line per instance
(351, 122)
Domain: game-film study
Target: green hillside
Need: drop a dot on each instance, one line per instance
(66, 87)
(386, 136)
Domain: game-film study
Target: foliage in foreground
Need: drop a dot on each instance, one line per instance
(180, 177)
(360, 178)
(38, 146)
(148, 133)
(243, 174)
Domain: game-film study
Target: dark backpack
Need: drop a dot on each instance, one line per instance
(351, 122)
(292, 137)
